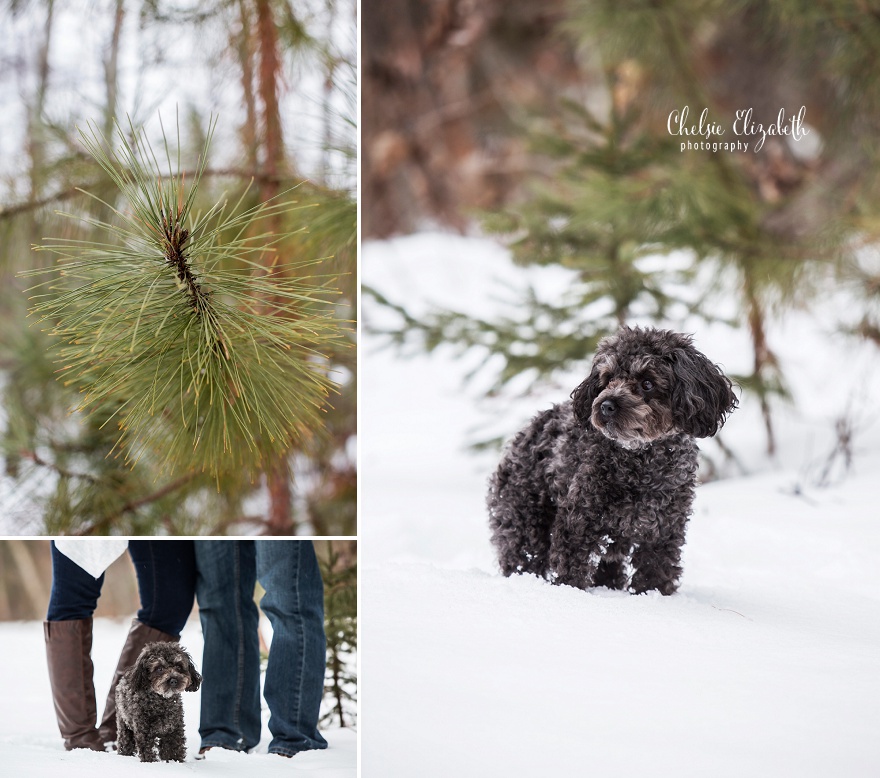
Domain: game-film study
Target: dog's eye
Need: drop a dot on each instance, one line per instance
(647, 385)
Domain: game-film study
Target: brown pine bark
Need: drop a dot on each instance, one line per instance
(111, 68)
(269, 74)
(764, 358)
(280, 519)
(437, 77)
(244, 46)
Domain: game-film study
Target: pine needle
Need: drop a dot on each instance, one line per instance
(166, 320)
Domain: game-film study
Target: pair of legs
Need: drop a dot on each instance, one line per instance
(165, 572)
(294, 603)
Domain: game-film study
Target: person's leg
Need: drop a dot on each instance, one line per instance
(166, 573)
(294, 603)
(68, 636)
(230, 714)
(75, 592)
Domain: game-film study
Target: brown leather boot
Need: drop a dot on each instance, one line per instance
(138, 636)
(69, 657)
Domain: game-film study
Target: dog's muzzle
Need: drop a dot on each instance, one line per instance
(174, 684)
(623, 418)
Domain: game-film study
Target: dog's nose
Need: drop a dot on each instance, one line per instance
(607, 408)
(173, 683)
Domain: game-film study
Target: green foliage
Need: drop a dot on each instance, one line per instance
(655, 233)
(610, 200)
(66, 464)
(207, 350)
(340, 624)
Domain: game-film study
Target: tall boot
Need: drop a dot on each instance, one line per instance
(138, 636)
(69, 658)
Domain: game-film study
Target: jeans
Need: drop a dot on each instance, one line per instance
(294, 603)
(166, 577)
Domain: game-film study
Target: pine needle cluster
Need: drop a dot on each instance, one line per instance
(188, 330)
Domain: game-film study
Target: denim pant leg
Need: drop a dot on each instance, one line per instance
(74, 591)
(166, 573)
(230, 715)
(294, 604)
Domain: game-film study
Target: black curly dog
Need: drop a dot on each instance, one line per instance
(597, 491)
(149, 710)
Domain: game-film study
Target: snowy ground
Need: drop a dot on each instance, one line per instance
(764, 664)
(31, 746)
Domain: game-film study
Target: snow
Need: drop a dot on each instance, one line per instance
(765, 663)
(31, 746)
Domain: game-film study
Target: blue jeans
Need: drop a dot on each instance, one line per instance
(294, 603)
(166, 575)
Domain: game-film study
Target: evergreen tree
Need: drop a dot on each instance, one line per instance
(653, 232)
(71, 470)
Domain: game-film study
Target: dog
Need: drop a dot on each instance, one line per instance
(149, 709)
(597, 491)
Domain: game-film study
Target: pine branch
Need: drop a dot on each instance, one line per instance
(26, 206)
(100, 526)
(34, 457)
(88, 187)
(164, 323)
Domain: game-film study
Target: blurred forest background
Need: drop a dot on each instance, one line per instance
(281, 79)
(26, 582)
(546, 124)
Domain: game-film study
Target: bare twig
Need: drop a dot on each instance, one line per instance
(34, 457)
(244, 174)
(133, 505)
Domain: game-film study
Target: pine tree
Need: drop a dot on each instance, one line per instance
(652, 232)
(69, 472)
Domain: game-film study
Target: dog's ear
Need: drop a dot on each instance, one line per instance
(195, 678)
(702, 396)
(140, 678)
(583, 396)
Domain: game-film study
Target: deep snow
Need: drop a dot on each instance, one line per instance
(31, 746)
(764, 664)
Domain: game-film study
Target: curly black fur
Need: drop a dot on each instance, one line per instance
(149, 711)
(597, 491)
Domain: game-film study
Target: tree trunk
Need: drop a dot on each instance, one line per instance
(245, 48)
(280, 520)
(111, 69)
(436, 78)
(269, 73)
(764, 358)
(36, 143)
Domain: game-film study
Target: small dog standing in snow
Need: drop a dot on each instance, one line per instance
(149, 710)
(597, 491)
